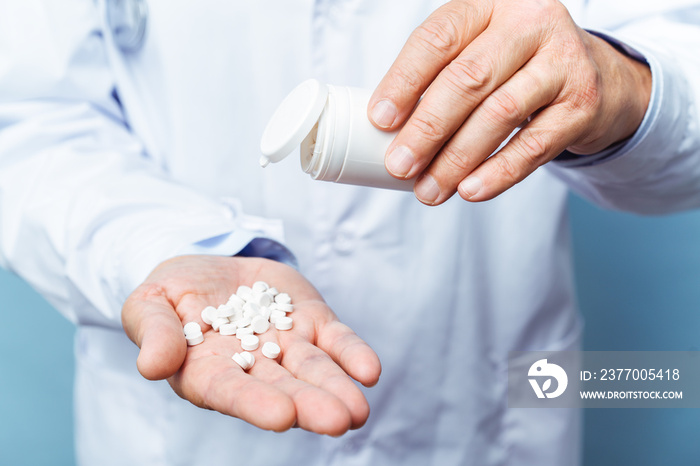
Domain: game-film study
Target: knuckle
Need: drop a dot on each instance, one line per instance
(504, 169)
(533, 146)
(552, 8)
(548, 12)
(441, 35)
(429, 126)
(455, 160)
(559, 10)
(528, 149)
(468, 75)
(408, 80)
(503, 109)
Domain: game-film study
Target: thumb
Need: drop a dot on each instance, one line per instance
(152, 323)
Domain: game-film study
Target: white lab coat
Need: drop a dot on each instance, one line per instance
(93, 195)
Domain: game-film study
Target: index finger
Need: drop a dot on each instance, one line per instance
(433, 45)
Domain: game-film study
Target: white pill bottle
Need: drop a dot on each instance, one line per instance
(337, 141)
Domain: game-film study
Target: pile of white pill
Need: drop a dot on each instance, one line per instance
(250, 311)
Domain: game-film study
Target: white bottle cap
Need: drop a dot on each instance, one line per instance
(293, 120)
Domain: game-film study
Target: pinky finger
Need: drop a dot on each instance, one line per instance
(540, 141)
(350, 352)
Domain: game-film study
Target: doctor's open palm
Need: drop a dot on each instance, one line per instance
(309, 385)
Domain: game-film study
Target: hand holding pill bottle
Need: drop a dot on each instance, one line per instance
(316, 349)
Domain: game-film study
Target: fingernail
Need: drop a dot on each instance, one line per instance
(384, 113)
(470, 187)
(427, 190)
(400, 161)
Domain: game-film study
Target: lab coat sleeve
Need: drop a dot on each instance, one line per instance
(657, 170)
(85, 214)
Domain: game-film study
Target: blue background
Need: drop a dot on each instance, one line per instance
(639, 289)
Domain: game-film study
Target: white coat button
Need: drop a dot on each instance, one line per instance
(345, 241)
(353, 445)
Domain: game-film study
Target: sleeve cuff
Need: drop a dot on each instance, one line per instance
(235, 234)
(243, 244)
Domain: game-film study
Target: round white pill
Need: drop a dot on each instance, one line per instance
(285, 307)
(249, 358)
(260, 287)
(272, 291)
(228, 329)
(250, 342)
(283, 323)
(240, 361)
(208, 314)
(271, 350)
(251, 309)
(244, 322)
(192, 329)
(194, 339)
(259, 324)
(265, 312)
(225, 311)
(276, 314)
(283, 298)
(235, 301)
(218, 322)
(241, 332)
(262, 299)
(244, 292)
